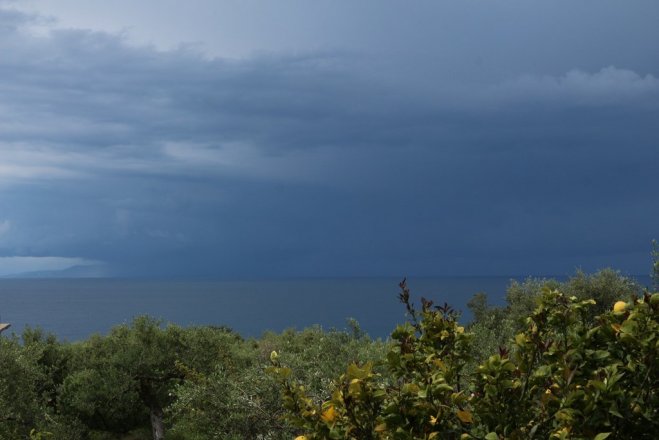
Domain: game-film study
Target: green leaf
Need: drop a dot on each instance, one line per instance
(600, 354)
(614, 410)
(509, 366)
(354, 372)
(602, 435)
(492, 436)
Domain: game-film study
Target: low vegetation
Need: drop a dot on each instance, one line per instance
(574, 359)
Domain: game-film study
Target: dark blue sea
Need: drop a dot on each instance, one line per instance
(73, 309)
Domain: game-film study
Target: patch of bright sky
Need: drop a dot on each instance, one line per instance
(420, 43)
(17, 265)
(227, 29)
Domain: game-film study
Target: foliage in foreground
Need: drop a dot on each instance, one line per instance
(149, 381)
(247, 405)
(145, 380)
(567, 375)
(495, 327)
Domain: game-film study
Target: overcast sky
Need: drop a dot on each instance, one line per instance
(330, 138)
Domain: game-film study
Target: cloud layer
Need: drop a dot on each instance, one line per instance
(174, 163)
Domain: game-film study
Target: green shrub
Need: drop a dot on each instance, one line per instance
(246, 404)
(495, 327)
(566, 375)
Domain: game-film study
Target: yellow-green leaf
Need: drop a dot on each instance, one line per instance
(381, 427)
(329, 415)
(465, 416)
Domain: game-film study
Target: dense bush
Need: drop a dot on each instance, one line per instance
(146, 380)
(567, 374)
(245, 405)
(19, 378)
(495, 327)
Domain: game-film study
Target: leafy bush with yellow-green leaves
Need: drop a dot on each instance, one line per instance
(566, 375)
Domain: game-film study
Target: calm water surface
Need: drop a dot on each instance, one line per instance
(76, 308)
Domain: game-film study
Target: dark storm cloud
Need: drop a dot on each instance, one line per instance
(170, 163)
